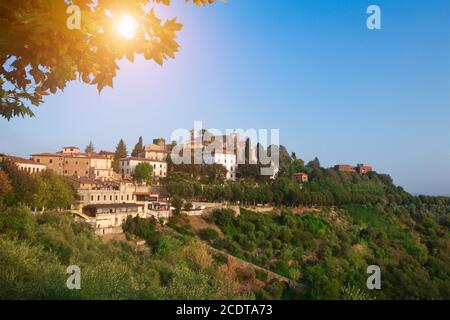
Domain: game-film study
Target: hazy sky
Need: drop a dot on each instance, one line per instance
(312, 69)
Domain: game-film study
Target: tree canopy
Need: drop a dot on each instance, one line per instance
(138, 148)
(46, 44)
(90, 148)
(120, 153)
(143, 173)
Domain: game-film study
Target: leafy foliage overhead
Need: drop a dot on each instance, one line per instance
(39, 54)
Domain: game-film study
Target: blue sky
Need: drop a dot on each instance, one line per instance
(312, 69)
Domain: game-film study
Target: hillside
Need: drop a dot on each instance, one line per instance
(36, 251)
(329, 250)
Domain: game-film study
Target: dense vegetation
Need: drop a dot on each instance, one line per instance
(35, 252)
(326, 188)
(329, 251)
(251, 282)
(44, 190)
(322, 234)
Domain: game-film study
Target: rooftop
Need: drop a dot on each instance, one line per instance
(155, 147)
(140, 159)
(113, 205)
(46, 154)
(24, 161)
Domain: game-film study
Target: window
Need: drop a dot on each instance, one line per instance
(104, 198)
(110, 198)
(92, 198)
(98, 198)
(50, 161)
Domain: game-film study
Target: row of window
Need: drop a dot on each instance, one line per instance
(105, 198)
(154, 165)
(128, 171)
(31, 170)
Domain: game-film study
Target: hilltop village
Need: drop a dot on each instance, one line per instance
(108, 189)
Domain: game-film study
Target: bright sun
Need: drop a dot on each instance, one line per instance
(127, 27)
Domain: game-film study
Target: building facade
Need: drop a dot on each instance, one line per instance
(128, 165)
(52, 161)
(70, 162)
(344, 168)
(107, 204)
(109, 218)
(363, 168)
(301, 176)
(156, 151)
(26, 165)
(360, 168)
(228, 160)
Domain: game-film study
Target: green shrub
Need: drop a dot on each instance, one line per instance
(261, 275)
(208, 234)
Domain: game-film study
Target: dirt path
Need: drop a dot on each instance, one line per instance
(271, 274)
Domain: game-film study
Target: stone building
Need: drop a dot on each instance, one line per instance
(363, 168)
(71, 162)
(109, 218)
(26, 165)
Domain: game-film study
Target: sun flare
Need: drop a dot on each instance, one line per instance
(127, 27)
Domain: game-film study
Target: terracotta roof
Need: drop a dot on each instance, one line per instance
(140, 159)
(25, 161)
(160, 190)
(45, 154)
(71, 155)
(83, 180)
(98, 156)
(155, 147)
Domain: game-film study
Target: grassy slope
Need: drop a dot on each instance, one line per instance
(35, 252)
(330, 250)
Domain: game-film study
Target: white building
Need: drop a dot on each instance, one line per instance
(228, 160)
(26, 165)
(128, 165)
